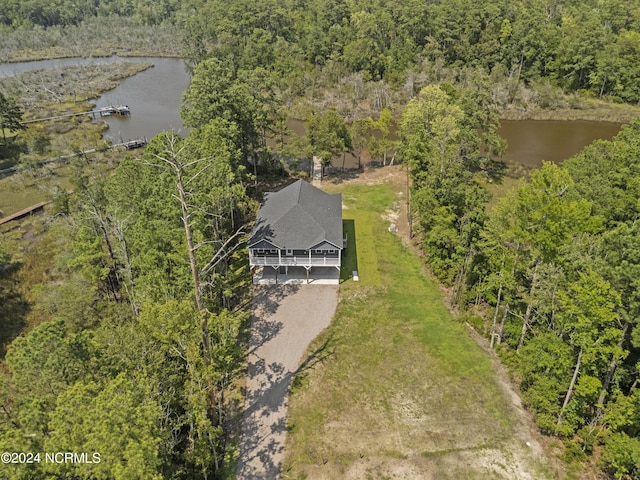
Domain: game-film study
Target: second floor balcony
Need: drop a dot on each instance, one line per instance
(313, 260)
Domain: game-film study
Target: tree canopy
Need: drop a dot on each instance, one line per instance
(10, 116)
(145, 295)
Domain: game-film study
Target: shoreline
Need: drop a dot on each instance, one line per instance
(80, 132)
(593, 111)
(589, 109)
(83, 83)
(23, 56)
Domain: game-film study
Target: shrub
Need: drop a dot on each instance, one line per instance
(621, 456)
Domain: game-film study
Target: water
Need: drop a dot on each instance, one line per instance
(532, 141)
(154, 97)
(529, 141)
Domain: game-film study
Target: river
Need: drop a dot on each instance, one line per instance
(154, 97)
(529, 142)
(532, 141)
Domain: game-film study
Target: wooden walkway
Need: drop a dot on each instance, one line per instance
(28, 211)
(103, 112)
(316, 177)
(130, 145)
(24, 213)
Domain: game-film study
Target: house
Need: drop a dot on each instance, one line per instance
(297, 236)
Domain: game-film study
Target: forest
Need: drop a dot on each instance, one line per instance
(586, 46)
(548, 273)
(124, 325)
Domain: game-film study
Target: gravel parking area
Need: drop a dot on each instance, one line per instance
(285, 319)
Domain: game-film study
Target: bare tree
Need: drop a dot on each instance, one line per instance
(175, 157)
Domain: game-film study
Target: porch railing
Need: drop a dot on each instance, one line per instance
(294, 261)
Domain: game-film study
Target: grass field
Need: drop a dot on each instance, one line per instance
(404, 392)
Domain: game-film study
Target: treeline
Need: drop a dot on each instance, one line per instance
(144, 302)
(20, 13)
(553, 268)
(588, 46)
(139, 347)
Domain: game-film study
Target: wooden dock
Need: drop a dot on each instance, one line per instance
(38, 207)
(139, 143)
(101, 112)
(23, 213)
(130, 145)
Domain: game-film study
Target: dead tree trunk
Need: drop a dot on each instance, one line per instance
(513, 88)
(502, 322)
(172, 158)
(529, 311)
(495, 316)
(195, 273)
(567, 397)
(613, 364)
(118, 231)
(113, 278)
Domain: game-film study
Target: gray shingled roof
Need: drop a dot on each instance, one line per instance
(299, 216)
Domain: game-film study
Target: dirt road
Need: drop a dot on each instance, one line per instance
(285, 319)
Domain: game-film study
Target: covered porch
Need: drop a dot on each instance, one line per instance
(296, 275)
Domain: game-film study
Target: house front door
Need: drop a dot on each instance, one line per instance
(289, 252)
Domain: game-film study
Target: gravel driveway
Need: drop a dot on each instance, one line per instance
(285, 319)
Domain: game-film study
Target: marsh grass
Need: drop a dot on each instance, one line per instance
(33, 185)
(94, 36)
(20, 191)
(403, 377)
(584, 108)
(54, 139)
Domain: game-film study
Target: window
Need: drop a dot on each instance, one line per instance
(289, 252)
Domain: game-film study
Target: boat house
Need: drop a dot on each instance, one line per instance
(297, 236)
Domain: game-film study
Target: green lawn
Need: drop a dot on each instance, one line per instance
(403, 391)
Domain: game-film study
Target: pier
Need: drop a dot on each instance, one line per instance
(99, 112)
(139, 143)
(130, 145)
(37, 208)
(23, 213)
